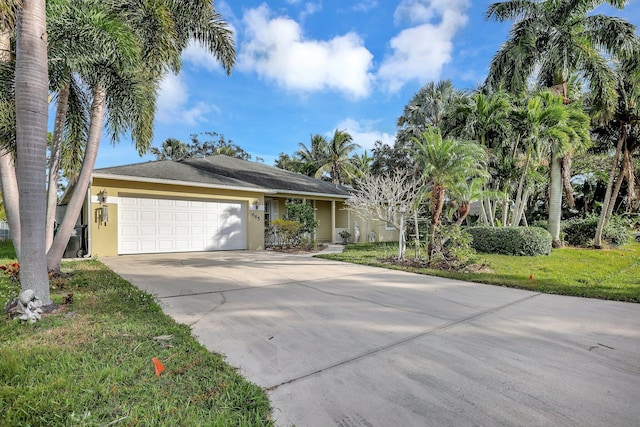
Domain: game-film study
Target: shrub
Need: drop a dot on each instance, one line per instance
(580, 231)
(525, 241)
(453, 249)
(303, 213)
(288, 233)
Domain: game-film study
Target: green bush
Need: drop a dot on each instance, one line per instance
(525, 241)
(288, 233)
(580, 231)
(453, 249)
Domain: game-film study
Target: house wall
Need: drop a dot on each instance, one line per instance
(323, 215)
(104, 236)
(381, 232)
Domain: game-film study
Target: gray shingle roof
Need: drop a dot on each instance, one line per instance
(226, 171)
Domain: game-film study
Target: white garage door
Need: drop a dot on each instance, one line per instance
(165, 225)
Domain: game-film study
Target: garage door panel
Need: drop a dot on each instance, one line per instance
(181, 216)
(165, 225)
(147, 215)
(165, 215)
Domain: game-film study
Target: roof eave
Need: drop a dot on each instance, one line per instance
(177, 182)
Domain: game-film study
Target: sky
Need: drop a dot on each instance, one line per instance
(311, 67)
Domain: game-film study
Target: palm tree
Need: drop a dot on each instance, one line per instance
(336, 162)
(625, 129)
(483, 118)
(465, 192)
(361, 165)
(10, 193)
(31, 92)
(172, 149)
(569, 134)
(128, 90)
(427, 108)
(552, 40)
(444, 163)
(314, 155)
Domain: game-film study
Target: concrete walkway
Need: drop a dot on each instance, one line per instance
(347, 345)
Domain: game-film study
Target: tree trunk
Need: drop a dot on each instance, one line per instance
(602, 221)
(31, 86)
(436, 211)
(7, 166)
(62, 106)
(463, 212)
(417, 229)
(505, 211)
(11, 198)
(555, 199)
(614, 195)
(82, 184)
(520, 198)
(566, 162)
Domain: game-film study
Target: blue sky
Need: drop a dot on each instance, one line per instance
(310, 67)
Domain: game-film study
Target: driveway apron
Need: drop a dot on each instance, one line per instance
(348, 345)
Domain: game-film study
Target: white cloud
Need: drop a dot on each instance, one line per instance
(275, 48)
(199, 57)
(364, 133)
(420, 52)
(365, 5)
(173, 103)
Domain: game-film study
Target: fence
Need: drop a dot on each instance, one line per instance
(5, 233)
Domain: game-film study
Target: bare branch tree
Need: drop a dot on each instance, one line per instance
(383, 197)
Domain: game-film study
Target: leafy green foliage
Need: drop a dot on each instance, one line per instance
(302, 212)
(523, 241)
(288, 233)
(580, 231)
(453, 250)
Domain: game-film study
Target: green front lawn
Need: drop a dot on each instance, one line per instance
(606, 274)
(91, 363)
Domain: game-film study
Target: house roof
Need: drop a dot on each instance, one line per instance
(222, 171)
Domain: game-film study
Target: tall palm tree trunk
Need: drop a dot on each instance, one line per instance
(602, 221)
(54, 256)
(11, 198)
(62, 106)
(8, 180)
(555, 199)
(437, 205)
(31, 87)
(518, 209)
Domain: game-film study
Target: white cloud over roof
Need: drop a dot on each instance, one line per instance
(173, 104)
(364, 133)
(276, 49)
(420, 51)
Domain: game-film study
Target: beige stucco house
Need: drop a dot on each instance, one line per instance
(205, 204)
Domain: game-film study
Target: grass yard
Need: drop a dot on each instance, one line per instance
(612, 274)
(91, 363)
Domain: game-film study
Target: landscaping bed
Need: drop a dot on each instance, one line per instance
(611, 274)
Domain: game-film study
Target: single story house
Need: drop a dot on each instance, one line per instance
(206, 204)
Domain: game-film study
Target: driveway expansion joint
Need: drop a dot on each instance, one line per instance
(403, 341)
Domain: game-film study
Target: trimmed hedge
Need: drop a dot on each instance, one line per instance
(524, 241)
(580, 231)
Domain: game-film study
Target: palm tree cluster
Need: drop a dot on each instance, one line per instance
(103, 62)
(564, 77)
(332, 159)
(174, 149)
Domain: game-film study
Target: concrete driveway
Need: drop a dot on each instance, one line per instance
(346, 345)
